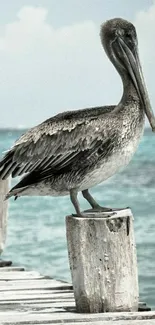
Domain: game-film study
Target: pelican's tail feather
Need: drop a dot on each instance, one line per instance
(16, 192)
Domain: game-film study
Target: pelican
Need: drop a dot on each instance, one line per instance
(76, 150)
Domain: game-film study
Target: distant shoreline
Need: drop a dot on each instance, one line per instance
(13, 129)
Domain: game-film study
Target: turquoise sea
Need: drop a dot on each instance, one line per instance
(36, 226)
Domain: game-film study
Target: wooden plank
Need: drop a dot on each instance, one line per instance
(126, 322)
(39, 304)
(42, 280)
(35, 287)
(34, 284)
(30, 302)
(11, 268)
(148, 322)
(38, 300)
(36, 293)
(30, 292)
(110, 322)
(18, 305)
(17, 317)
(17, 297)
(15, 275)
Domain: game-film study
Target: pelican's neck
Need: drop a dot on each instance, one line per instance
(129, 108)
(129, 104)
(129, 91)
(129, 95)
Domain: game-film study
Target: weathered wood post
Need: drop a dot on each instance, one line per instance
(103, 262)
(4, 186)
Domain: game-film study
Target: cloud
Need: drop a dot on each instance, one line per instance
(46, 70)
(19, 35)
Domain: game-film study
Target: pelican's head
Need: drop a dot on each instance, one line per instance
(119, 39)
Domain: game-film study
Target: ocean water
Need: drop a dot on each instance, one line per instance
(36, 226)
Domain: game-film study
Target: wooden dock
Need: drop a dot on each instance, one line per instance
(26, 297)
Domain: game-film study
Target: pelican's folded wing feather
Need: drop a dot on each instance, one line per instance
(55, 143)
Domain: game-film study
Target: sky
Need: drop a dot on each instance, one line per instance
(51, 59)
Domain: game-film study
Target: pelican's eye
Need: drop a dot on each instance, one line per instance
(130, 39)
(128, 36)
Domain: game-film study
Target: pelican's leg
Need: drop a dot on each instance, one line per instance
(74, 200)
(93, 203)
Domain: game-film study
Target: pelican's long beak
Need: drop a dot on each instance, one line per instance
(132, 64)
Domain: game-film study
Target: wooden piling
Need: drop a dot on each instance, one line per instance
(103, 262)
(4, 187)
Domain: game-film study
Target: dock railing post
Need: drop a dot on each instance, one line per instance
(4, 186)
(103, 262)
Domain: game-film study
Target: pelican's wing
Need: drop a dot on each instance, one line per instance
(56, 143)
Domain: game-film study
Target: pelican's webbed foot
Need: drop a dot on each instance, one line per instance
(99, 209)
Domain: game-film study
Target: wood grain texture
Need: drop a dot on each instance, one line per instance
(36, 284)
(52, 302)
(4, 188)
(25, 317)
(103, 262)
(15, 275)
